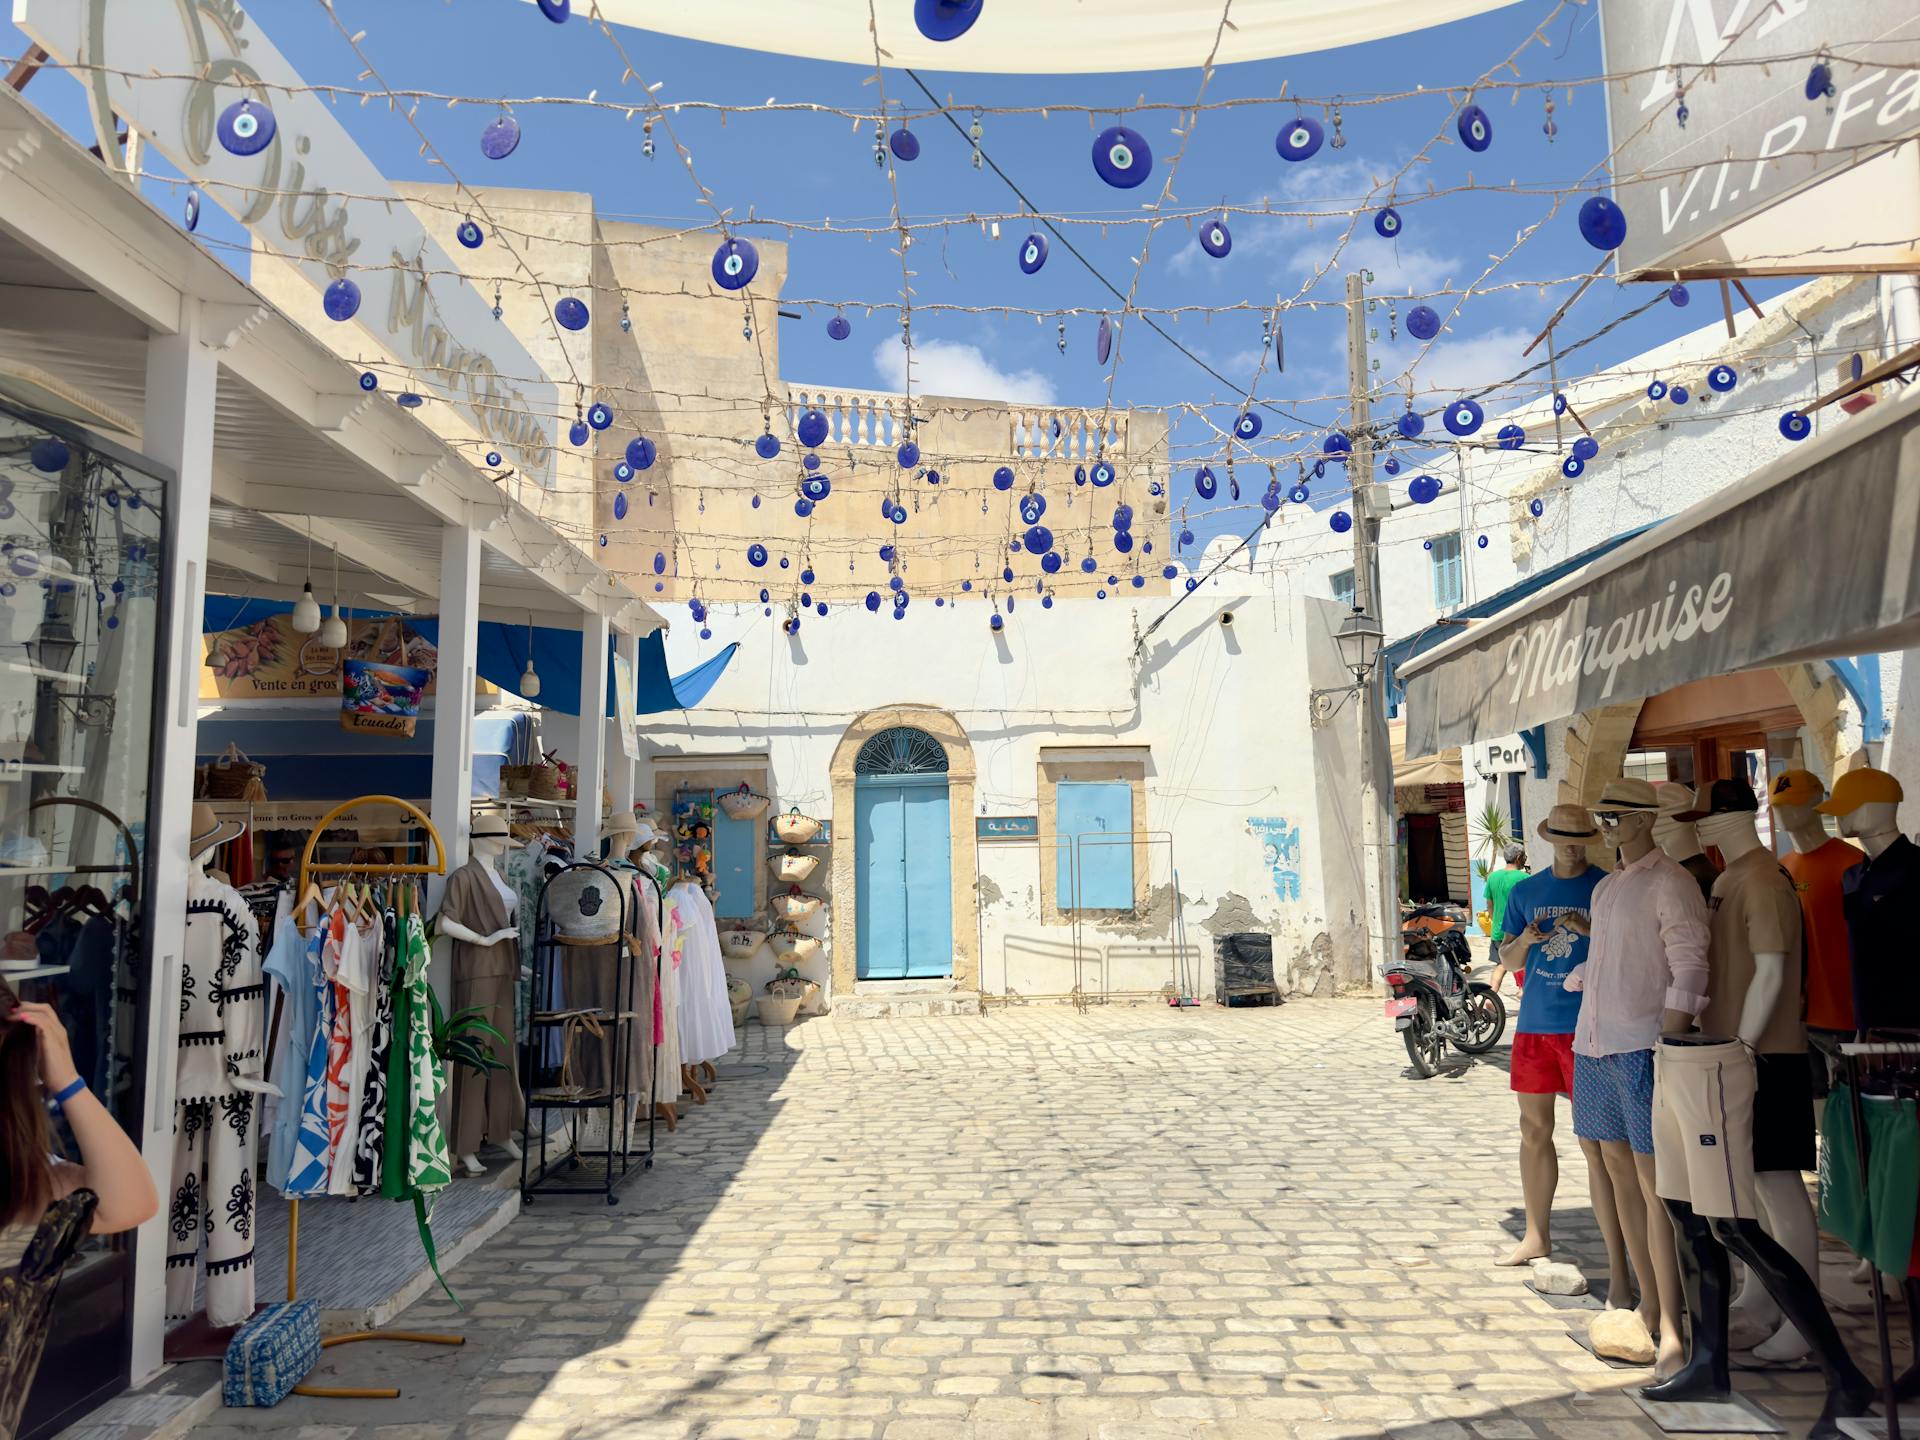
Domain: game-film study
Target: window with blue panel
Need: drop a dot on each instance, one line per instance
(734, 866)
(1089, 808)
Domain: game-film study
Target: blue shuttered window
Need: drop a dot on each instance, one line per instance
(734, 870)
(1447, 572)
(1086, 807)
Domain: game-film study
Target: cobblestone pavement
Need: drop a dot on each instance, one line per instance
(1127, 1224)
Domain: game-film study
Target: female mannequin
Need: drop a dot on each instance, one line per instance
(477, 914)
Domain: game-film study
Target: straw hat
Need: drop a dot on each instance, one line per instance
(490, 824)
(207, 831)
(1567, 825)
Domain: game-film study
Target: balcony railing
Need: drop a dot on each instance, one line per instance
(1028, 432)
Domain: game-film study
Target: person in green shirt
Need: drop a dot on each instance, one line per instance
(1499, 884)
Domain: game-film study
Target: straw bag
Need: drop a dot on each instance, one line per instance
(796, 904)
(793, 828)
(514, 779)
(793, 947)
(235, 777)
(544, 782)
(382, 697)
(743, 804)
(740, 942)
(792, 867)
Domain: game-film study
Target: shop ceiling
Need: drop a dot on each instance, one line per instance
(88, 269)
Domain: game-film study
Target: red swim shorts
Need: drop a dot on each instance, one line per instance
(1541, 1064)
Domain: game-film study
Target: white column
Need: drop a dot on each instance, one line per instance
(182, 376)
(453, 703)
(619, 767)
(591, 744)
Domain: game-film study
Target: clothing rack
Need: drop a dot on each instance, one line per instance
(600, 1024)
(1892, 1387)
(308, 869)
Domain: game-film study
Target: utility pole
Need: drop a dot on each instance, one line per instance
(1376, 764)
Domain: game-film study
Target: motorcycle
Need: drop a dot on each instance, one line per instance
(1432, 1002)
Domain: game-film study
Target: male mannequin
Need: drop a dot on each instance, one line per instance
(1645, 976)
(1540, 949)
(1879, 898)
(1754, 983)
(1679, 839)
(1818, 864)
(1718, 1114)
(477, 914)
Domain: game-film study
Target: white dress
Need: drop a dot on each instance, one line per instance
(706, 1015)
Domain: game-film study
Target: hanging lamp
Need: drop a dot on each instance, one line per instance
(333, 634)
(306, 610)
(529, 678)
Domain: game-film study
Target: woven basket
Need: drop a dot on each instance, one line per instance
(793, 828)
(793, 868)
(743, 804)
(740, 998)
(514, 779)
(793, 948)
(777, 1009)
(544, 783)
(796, 904)
(741, 942)
(235, 777)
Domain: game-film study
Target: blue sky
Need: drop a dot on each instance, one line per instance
(811, 167)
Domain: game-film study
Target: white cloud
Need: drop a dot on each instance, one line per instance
(1462, 363)
(949, 367)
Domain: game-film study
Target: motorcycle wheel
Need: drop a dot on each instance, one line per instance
(1424, 1045)
(1484, 1017)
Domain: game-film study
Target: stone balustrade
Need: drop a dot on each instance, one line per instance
(878, 419)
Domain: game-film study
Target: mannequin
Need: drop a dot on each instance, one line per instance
(477, 914)
(1733, 1122)
(217, 1074)
(1646, 976)
(1679, 839)
(1885, 996)
(1539, 949)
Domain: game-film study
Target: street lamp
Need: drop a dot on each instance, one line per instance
(1359, 638)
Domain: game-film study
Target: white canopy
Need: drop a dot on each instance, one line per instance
(1043, 36)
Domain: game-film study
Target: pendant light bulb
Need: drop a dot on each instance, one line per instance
(306, 611)
(333, 634)
(529, 678)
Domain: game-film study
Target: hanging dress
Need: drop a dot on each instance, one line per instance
(370, 1140)
(312, 1152)
(292, 965)
(429, 1167)
(706, 1015)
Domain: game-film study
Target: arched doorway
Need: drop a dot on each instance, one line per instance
(903, 857)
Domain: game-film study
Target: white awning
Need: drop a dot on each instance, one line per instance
(1041, 37)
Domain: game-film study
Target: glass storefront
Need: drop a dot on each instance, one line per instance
(82, 540)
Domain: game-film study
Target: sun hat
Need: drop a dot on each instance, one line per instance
(490, 824)
(1566, 824)
(1796, 787)
(1861, 787)
(1625, 796)
(1673, 797)
(207, 831)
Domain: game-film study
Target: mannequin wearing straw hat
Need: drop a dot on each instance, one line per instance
(477, 914)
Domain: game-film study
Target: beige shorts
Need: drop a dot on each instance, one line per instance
(1703, 1128)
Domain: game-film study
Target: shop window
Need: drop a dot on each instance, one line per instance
(1094, 822)
(1448, 579)
(1343, 588)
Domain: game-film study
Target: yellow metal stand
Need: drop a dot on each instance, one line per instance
(307, 870)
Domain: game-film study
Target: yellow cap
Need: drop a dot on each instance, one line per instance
(1861, 787)
(1796, 787)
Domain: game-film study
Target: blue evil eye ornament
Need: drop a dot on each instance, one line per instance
(1536, 508)
(1559, 403)
(898, 514)
(1819, 84)
(341, 300)
(1573, 467)
(1003, 478)
(470, 235)
(407, 400)
(190, 213)
(767, 446)
(1101, 475)
(640, 453)
(622, 471)
(1463, 417)
(1270, 501)
(1602, 223)
(1410, 425)
(1299, 494)
(245, 127)
(904, 144)
(1204, 485)
(1679, 395)
(756, 555)
(599, 416)
(1721, 379)
(556, 10)
(1050, 562)
(943, 20)
(1088, 564)
(1123, 517)
(1247, 426)
(838, 328)
(1033, 253)
(1336, 444)
(1795, 426)
(578, 432)
(908, 455)
(1299, 139)
(501, 138)
(369, 380)
(620, 505)
(1474, 128)
(873, 600)
(1422, 322)
(1481, 541)
(49, 455)
(1123, 541)
(816, 487)
(1103, 341)
(1039, 539)
(1340, 522)
(806, 576)
(1032, 507)
(1586, 447)
(1216, 239)
(1510, 437)
(1677, 296)
(1423, 489)
(803, 507)
(811, 429)
(493, 459)
(1122, 157)
(1386, 223)
(1656, 390)
(735, 263)
(571, 313)
(1390, 465)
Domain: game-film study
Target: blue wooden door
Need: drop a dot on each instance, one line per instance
(903, 854)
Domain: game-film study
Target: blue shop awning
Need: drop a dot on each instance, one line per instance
(503, 657)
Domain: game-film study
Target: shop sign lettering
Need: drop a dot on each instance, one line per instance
(1006, 827)
(1550, 654)
(311, 197)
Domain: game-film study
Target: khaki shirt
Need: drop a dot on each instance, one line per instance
(1755, 910)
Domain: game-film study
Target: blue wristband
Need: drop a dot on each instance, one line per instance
(72, 1090)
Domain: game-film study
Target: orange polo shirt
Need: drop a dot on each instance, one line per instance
(1816, 880)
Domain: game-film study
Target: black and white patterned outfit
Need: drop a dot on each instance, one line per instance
(370, 1139)
(216, 1078)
